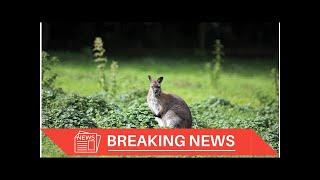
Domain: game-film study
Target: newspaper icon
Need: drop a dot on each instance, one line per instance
(85, 142)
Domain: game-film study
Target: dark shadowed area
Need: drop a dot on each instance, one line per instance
(162, 38)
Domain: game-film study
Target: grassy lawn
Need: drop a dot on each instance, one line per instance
(49, 149)
(243, 81)
(240, 82)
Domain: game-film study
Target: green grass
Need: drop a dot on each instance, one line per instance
(242, 80)
(186, 77)
(49, 149)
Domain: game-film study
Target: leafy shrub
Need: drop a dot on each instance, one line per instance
(70, 111)
(114, 118)
(263, 98)
(219, 113)
(275, 76)
(271, 115)
(74, 111)
(136, 116)
(48, 76)
(60, 111)
(133, 97)
(139, 116)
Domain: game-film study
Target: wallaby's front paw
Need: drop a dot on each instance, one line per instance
(155, 115)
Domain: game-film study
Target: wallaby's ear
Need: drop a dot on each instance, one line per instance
(149, 78)
(160, 79)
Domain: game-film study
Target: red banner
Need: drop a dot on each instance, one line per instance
(160, 142)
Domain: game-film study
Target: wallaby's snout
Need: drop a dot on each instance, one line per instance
(155, 85)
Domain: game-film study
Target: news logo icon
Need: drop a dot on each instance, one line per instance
(85, 142)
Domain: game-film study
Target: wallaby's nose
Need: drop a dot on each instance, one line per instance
(156, 91)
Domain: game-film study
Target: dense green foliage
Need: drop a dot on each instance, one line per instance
(245, 97)
(74, 111)
(220, 113)
(48, 76)
(59, 111)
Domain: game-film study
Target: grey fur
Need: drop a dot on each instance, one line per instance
(171, 110)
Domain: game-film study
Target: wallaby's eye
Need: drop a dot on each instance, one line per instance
(156, 86)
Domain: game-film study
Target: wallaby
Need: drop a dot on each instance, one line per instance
(169, 110)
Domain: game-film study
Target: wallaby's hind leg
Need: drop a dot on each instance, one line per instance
(173, 124)
(161, 123)
(165, 123)
(172, 120)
